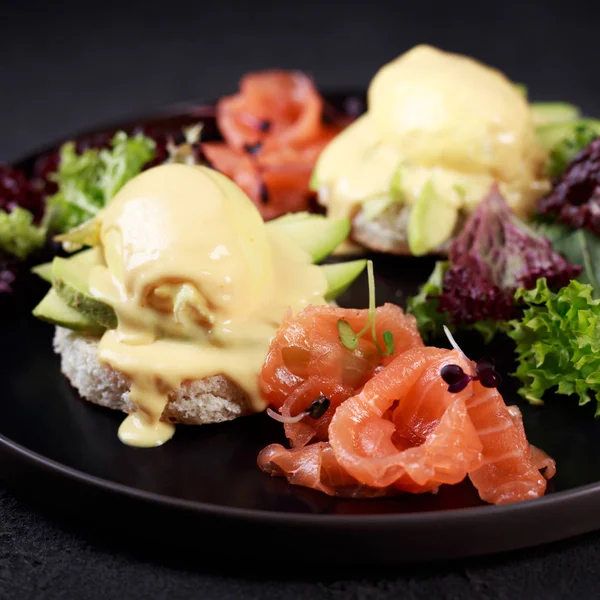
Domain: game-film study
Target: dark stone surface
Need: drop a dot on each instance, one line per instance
(68, 66)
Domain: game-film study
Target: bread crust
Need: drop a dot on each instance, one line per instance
(210, 400)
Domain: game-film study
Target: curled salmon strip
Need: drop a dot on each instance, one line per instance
(273, 107)
(316, 467)
(511, 467)
(273, 133)
(306, 359)
(426, 440)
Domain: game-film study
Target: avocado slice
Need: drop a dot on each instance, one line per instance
(340, 276)
(70, 280)
(551, 134)
(318, 235)
(548, 113)
(53, 309)
(431, 222)
(44, 271)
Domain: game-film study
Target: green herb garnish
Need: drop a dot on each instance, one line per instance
(388, 340)
(349, 338)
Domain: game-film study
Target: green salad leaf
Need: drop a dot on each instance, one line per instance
(424, 306)
(565, 150)
(579, 247)
(89, 180)
(19, 235)
(430, 321)
(558, 342)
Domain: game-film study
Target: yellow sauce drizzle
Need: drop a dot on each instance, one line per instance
(199, 286)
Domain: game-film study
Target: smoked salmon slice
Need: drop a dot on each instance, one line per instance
(405, 431)
(510, 469)
(306, 360)
(426, 440)
(273, 133)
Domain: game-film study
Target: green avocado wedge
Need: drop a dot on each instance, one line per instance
(341, 275)
(431, 222)
(317, 235)
(53, 309)
(550, 113)
(43, 271)
(70, 278)
(70, 303)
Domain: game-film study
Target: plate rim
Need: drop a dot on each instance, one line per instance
(472, 513)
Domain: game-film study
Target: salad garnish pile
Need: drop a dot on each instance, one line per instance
(495, 254)
(537, 283)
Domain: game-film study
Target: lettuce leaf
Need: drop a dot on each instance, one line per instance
(579, 247)
(558, 342)
(425, 307)
(495, 254)
(562, 153)
(19, 235)
(89, 180)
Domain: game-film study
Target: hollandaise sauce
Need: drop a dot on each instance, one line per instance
(440, 117)
(199, 286)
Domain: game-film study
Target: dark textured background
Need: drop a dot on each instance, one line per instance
(67, 66)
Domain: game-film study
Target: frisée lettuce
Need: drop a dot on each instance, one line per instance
(87, 181)
(558, 342)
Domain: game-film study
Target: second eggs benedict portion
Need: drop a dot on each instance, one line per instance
(439, 130)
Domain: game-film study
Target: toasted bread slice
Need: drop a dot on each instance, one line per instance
(210, 400)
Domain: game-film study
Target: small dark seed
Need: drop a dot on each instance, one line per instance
(265, 126)
(459, 386)
(318, 407)
(264, 194)
(484, 365)
(487, 374)
(452, 374)
(490, 379)
(253, 148)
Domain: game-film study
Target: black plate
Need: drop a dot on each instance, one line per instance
(205, 481)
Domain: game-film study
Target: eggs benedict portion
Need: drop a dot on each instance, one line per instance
(439, 131)
(196, 285)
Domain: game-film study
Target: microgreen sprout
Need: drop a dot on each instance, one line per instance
(458, 380)
(315, 410)
(349, 338)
